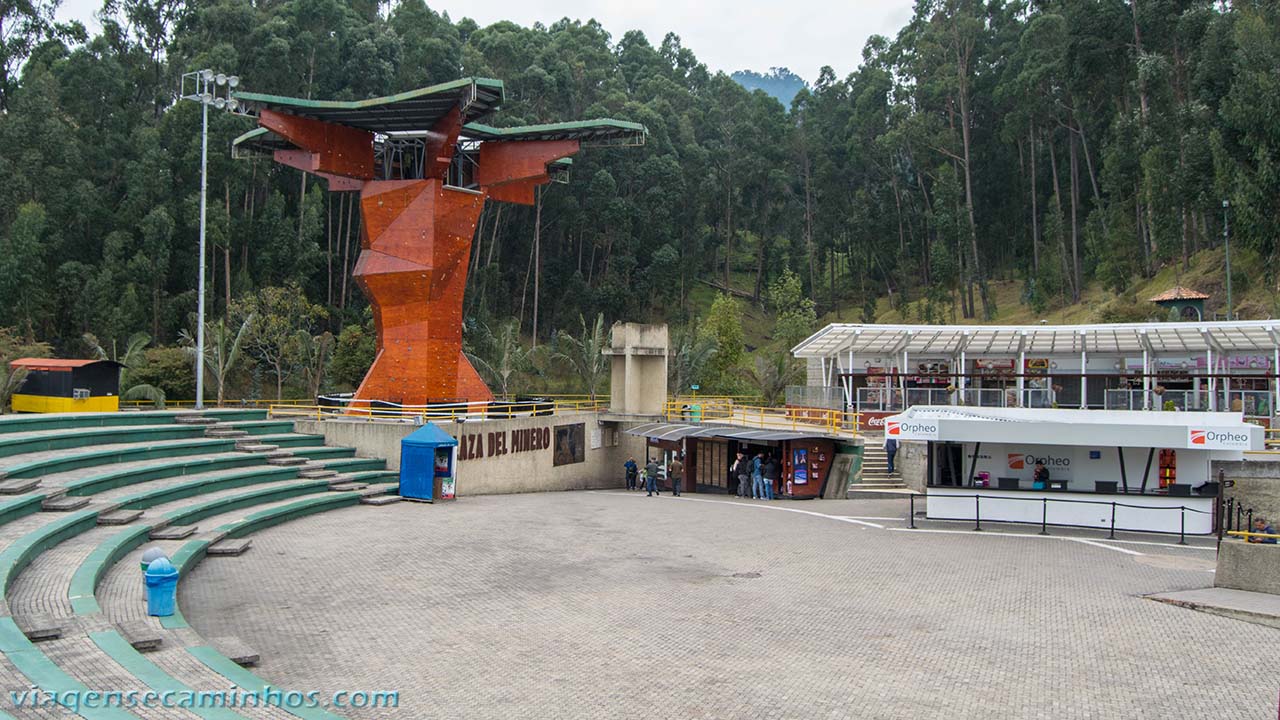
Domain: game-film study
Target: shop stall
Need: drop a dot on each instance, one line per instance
(1131, 470)
(808, 459)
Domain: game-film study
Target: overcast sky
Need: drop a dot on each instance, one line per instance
(727, 35)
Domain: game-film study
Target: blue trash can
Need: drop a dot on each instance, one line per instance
(162, 587)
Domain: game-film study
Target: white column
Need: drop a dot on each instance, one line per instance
(1275, 381)
(848, 383)
(964, 380)
(1213, 386)
(1146, 380)
(1022, 379)
(1084, 384)
(902, 378)
(1226, 381)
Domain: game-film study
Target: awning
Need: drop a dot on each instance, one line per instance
(1088, 428)
(57, 364)
(1036, 340)
(679, 431)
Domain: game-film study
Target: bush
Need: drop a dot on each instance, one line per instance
(353, 355)
(171, 370)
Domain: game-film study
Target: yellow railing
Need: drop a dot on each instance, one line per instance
(1246, 535)
(209, 403)
(767, 418)
(1272, 438)
(450, 412)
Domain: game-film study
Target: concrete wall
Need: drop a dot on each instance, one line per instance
(496, 456)
(912, 462)
(1257, 486)
(1248, 566)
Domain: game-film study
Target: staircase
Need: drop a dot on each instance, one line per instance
(877, 481)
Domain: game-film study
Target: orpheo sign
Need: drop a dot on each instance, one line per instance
(1218, 439)
(911, 429)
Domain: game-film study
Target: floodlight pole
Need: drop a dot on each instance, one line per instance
(204, 185)
(206, 84)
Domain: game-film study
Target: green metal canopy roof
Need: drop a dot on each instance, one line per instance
(587, 131)
(413, 110)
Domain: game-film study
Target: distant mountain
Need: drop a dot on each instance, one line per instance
(778, 82)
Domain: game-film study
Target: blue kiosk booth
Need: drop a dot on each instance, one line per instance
(428, 465)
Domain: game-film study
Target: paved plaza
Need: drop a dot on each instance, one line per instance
(613, 605)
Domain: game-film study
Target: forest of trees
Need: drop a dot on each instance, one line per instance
(1060, 144)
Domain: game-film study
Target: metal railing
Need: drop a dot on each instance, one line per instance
(1248, 536)
(440, 412)
(1044, 513)
(729, 412)
(889, 399)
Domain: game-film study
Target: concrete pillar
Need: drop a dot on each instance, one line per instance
(639, 369)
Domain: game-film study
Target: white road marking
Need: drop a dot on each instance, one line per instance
(864, 521)
(838, 518)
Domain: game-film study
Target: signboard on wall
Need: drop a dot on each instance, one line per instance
(1218, 439)
(904, 429)
(800, 465)
(570, 444)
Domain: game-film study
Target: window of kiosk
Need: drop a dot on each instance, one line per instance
(444, 462)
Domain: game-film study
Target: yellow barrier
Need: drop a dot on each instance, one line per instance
(766, 418)
(1272, 438)
(1245, 535)
(441, 413)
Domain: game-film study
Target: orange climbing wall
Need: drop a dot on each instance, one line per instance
(416, 241)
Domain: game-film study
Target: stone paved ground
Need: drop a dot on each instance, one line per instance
(614, 605)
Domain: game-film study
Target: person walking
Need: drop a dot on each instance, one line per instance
(675, 472)
(632, 469)
(651, 478)
(741, 471)
(890, 450)
(757, 477)
(772, 474)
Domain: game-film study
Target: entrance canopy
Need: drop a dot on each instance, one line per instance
(1006, 340)
(1093, 428)
(679, 431)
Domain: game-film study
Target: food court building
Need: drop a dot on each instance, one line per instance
(1122, 469)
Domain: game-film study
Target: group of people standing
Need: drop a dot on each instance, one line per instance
(675, 474)
(757, 476)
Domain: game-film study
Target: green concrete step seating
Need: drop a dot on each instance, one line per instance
(36, 422)
(192, 552)
(219, 469)
(63, 463)
(121, 544)
(117, 648)
(258, 427)
(27, 658)
(63, 439)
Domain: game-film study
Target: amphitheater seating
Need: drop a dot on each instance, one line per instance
(163, 465)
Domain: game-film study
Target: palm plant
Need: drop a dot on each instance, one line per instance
(501, 356)
(12, 347)
(133, 358)
(221, 349)
(690, 354)
(585, 354)
(771, 375)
